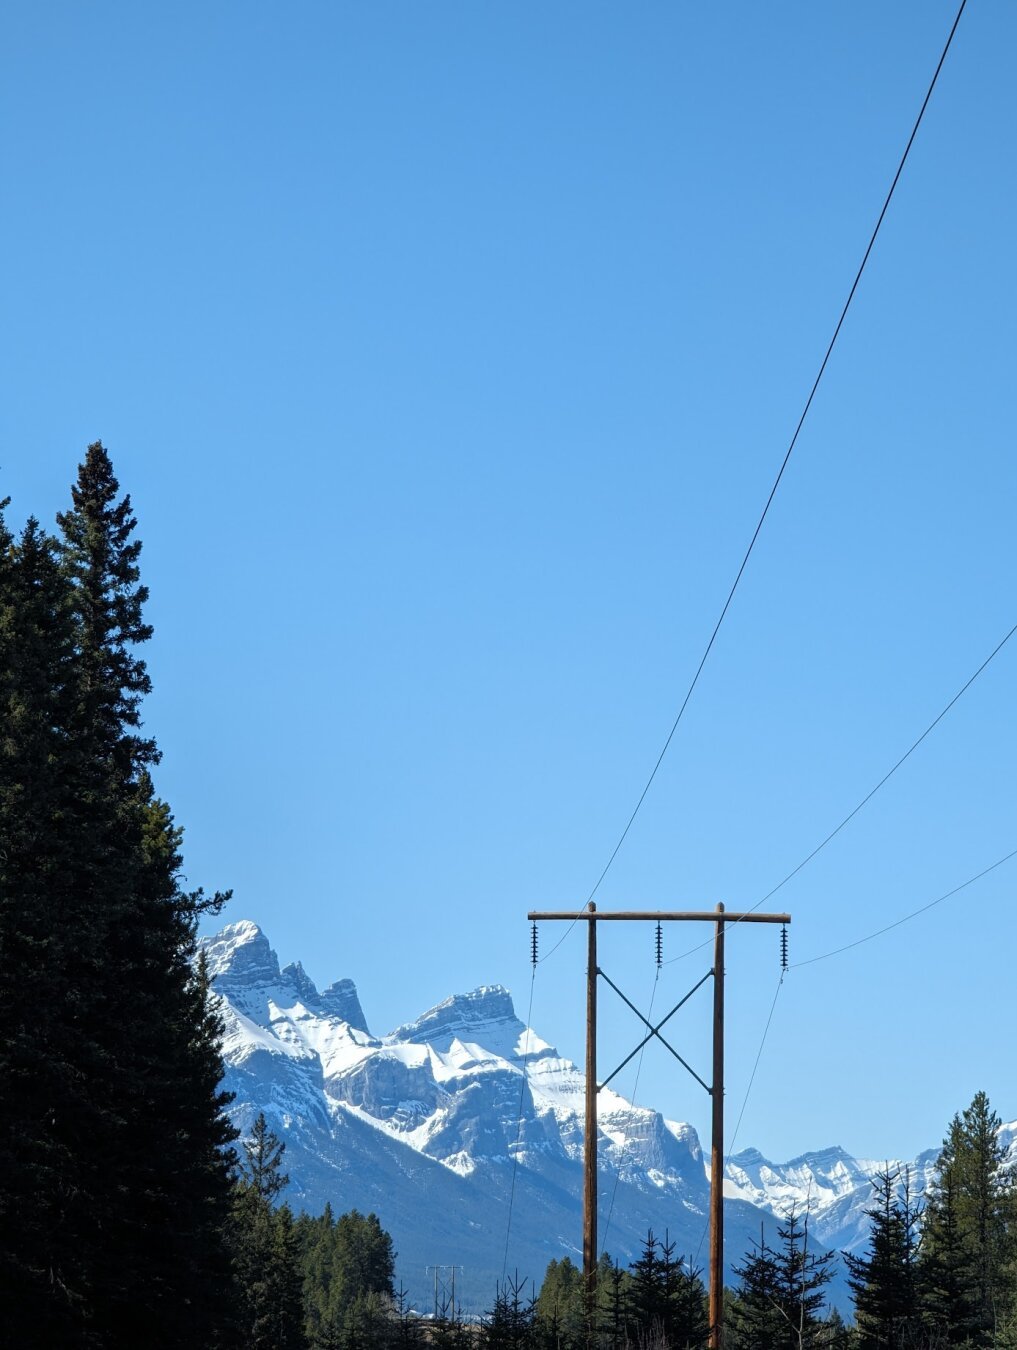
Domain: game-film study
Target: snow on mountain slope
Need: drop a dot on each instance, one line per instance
(424, 1126)
(835, 1187)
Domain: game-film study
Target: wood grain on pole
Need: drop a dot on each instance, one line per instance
(590, 1142)
(717, 1144)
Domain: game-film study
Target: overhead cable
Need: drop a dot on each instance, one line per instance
(825, 956)
(787, 456)
(869, 795)
(519, 1118)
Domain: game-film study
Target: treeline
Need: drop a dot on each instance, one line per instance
(303, 1283)
(943, 1271)
(935, 1273)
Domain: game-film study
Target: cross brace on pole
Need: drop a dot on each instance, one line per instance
(654, 1030)
(720, 918)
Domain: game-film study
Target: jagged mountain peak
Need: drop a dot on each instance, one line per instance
(747, 1157)
(820, 1159)
(340, 999)
(297, 977)
(241, 961)
(240, 951)
(486, 1011)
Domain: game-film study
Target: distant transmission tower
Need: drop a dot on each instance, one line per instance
(444, 1291)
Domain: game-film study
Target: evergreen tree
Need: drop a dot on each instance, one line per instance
(780, 1292)
(348, 1267)
(408, 1333)
(452, 1333)
(884, 1281)
(946, 1271)
(162, 1270)
(511, 1323)
(968, 1231)
(835, 1334)
(561, 1306)
(687, 1323)
(267, 1249)
(261, 1168)
(365, 1261)
(666, 1298)
(121, 1136)
(49, 1185)
(647, 1300)
(613, 1297)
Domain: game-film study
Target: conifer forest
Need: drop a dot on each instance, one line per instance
(132, 1214)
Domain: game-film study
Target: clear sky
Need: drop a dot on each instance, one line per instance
(448, 352)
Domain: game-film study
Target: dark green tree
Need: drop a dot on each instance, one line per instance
(613, 1298)
(561, 1306)
(884, 1281)
(408, 1332)
(122, 1137)
(835, 1334)
(162, 1267)
(261, 1166)
(364, 1257)
(780, 1292)
(268, 1259)
(969, 1231)
(49, 1114)
(946, 1270)
(646, 1297)
(511, 1323)
(687, 1324)
(348, 1267)
(666, 1298)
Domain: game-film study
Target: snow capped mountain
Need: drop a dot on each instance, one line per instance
(437, 1124)
(835, 1187)
(448, 1121)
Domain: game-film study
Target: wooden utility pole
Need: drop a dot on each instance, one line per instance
(590, 1139)
(721, 919)
(717, 1145)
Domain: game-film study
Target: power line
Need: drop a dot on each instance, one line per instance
(796, 965)
(759, 1056)
(872, 792)
(887, 776)
(787, 456)
(907, 917)
(745, 1100)
(519, 1119)
(548, 955)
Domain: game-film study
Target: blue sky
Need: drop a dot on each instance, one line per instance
(449, 353)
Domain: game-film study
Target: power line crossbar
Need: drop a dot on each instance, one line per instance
(659, 916)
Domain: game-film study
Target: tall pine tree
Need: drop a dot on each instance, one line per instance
(114, 1148)
(267, 1256)
(780, 1292)
(50, 1115)
(666, 1298)
(969, 1230)
(168, 1158)
(884, 1280)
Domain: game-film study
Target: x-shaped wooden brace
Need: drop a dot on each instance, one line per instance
(654, 1031)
